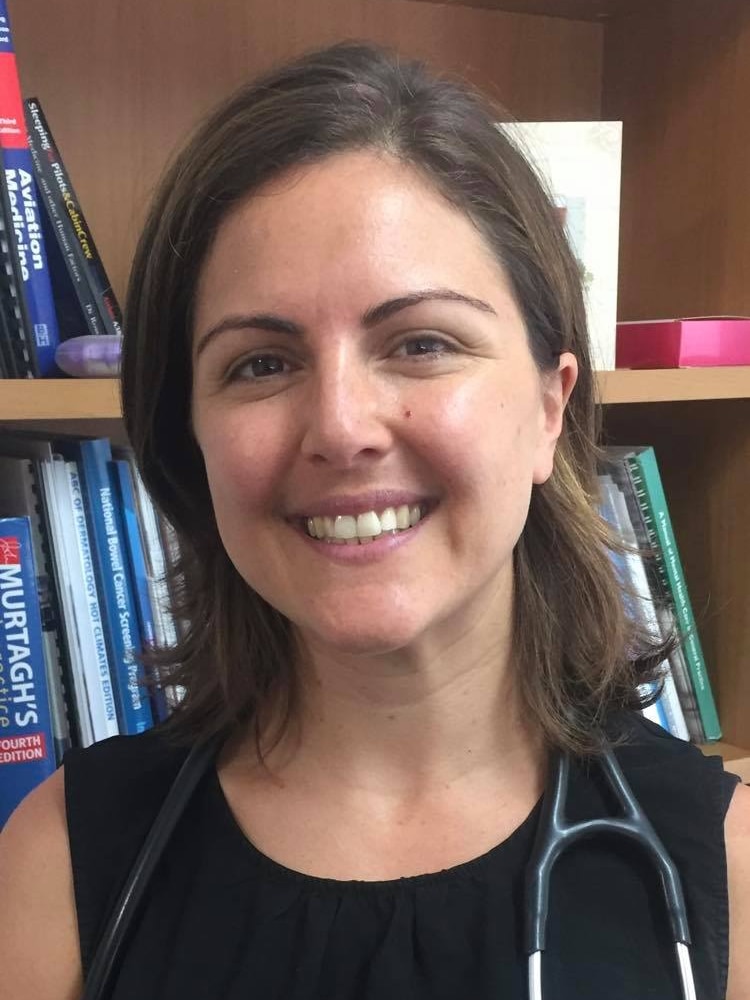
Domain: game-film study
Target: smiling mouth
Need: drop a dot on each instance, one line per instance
(361, 529)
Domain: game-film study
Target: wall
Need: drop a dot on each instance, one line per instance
(122, 82)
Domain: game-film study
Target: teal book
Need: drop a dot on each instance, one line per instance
(646, 479)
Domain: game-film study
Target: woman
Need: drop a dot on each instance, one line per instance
(358, 383)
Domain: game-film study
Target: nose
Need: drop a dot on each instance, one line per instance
(345, 414)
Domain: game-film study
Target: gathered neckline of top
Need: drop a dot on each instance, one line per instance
(281, 872)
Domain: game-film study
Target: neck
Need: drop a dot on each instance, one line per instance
(412, 726)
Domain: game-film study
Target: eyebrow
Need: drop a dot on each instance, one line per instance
(372, 317)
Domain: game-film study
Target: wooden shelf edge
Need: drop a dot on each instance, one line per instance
(664, 385)
(36, 400)
(577, 10)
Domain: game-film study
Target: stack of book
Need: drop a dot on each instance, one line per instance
(655, 590)
(53, 285)
(82, 595)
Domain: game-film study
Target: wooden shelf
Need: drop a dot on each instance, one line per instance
(43, 400)
(577, 10)
(39, 400)
(674, 384)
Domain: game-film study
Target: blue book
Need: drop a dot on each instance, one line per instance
(123, 490)
(120, 615)
(27, 749)
(24, 209)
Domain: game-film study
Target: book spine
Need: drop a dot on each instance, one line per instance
(60, 223)
(49, 606)
(621, 564)
(20, 497)
(681, 689)
(26, 740)
(20, 356)
(650, 493)
(93, 456)
(123, 490)
(68, 206)
(98, 670)
(22, 195)
(644, 596)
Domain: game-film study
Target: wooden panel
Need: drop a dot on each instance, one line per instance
(152, 69)
(581, 10)
(703, 450)
(62, 406)
(679, 77)
(70, 399)
(654, 386)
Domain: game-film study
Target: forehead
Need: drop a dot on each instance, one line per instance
(354, 227)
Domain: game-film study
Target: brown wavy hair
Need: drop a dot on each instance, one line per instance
(576, 652)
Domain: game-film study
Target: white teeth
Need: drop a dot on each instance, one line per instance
(388, 520)
(363, 528)
(345, 527)
(368, 525)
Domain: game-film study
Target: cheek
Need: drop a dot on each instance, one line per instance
(242, 462)
(483, 433)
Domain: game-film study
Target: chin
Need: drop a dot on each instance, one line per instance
(357, 640)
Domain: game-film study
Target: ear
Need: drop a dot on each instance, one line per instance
(556, 389)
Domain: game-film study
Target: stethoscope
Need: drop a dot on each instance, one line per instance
(555, 835)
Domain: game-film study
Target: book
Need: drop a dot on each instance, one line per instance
(81, 262)
(20, 496)
(92, 456)
(27, 754)
(96, 679)
(16, 342)
(152, 528)
(664, 607)
(649, 491)
(639, 602)
(122, 484)
(28, 236)
(38, 449)
(579, 164)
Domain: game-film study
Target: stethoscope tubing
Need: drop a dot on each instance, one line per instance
(555, 835)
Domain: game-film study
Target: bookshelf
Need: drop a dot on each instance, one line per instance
(675, 72)
(45, 400)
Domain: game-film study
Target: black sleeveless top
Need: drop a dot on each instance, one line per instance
(224, 922)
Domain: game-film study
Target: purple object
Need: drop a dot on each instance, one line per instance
(90, 357)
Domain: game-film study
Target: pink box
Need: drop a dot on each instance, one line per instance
(701, 341)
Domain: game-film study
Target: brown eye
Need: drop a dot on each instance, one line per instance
(424, 346)
(260, 367)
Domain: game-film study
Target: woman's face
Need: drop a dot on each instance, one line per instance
(359, 362)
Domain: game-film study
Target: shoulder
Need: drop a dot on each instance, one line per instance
(685, 792)
(737, 829)
(121, 777)
(39, 943)
(113, 792)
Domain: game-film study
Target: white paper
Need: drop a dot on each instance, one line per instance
(581, 165)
